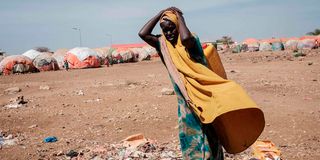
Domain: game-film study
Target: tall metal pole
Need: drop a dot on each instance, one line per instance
(80, 40)
(109, 35)
(80, 37)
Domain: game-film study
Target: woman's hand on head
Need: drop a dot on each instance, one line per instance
(175, 9)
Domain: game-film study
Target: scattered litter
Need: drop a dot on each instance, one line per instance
(134, 141)
(16, 102)
(299, 54)
(50, 139)
(12, 90)
(45, 87)
(167, 91)
(8, 140)
(265, 150)
(72, 154)
(79, 93)
(92, 100)
(33, 126)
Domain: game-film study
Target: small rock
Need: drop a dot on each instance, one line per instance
(310, 63)
(72, 154)
(16, 102)
(167, 91)
(12, 90)
(79, 93)
(45, 87)
(33, 126)
(234, 71)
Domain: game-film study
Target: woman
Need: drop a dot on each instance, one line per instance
(201, 89)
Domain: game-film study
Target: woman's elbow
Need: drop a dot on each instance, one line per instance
(187, 42)
(141, 35)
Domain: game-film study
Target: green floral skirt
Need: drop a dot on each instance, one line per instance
(198, 141)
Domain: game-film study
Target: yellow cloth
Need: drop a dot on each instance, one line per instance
(214, 61)
(209, 93)
(234, 115)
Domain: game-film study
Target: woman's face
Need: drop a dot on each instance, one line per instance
(170, 31)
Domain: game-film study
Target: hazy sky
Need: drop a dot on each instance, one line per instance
(25, 24)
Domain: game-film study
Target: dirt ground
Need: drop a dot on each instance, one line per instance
(91, 107)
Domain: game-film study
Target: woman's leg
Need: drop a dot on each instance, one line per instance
(193, 141)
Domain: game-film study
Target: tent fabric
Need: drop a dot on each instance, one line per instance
(265, 46)
(59, 56)
(236, 48)
(32, 54)
(105, 54)
(136, 45)
(306, 44)
(45, 62)
(151, 51)
(277, 46)
(252, 47)
(250, 41)
(140, 54)
(271, 40)
(2, 57)
(291, 44)
(16, 64)
(82, 57)
(122, 55)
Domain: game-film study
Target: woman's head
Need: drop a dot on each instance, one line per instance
(170, 31)
(169, 26)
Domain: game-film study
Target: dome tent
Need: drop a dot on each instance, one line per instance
(122, 55)
(306, 44)
(45, 62)
(59, 56)
(82, 57)
(104, 53)
(277, 46)
(253, 44)
(291, 44)
(16, 64)
(140, 54)
(265, 46)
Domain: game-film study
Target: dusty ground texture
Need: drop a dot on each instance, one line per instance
(96, 107)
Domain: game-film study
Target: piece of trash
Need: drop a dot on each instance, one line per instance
(79, 93)
(265, 150)
(134, 141)
(44, 87)
(167, 91)
(8, 140)
(16, 102)
(33, 126)
(92, 100)
(298, 54)
(72, 154)
(50, 139)
(12, 90)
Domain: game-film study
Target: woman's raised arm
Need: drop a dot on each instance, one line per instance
(146, 31)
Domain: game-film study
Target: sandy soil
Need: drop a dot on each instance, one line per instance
(126, 99)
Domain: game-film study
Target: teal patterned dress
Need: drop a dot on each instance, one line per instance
(198, 141)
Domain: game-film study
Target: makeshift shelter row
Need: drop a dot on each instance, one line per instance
(76, 58)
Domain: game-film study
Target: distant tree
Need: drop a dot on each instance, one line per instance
(314, 33)
(42, 49)
(225, 40)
